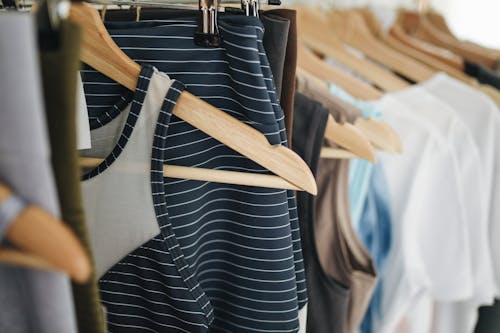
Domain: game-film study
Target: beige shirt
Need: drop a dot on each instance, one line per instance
(341, 253)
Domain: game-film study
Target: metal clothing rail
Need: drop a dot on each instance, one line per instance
(207, 33)
(177, 4)
(168, 4)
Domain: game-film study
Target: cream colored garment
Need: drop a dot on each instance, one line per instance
(110, 237)
(303, 319)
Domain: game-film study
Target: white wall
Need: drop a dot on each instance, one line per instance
(475, 20)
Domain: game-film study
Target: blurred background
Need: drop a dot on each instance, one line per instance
(474, 20)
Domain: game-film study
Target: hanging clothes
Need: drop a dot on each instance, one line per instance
(481, 117)
(340, 273)
(34, 300)
(211, 221)
(419, 218)
(327, 310)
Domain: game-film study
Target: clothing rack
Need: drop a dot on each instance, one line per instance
(180, 4)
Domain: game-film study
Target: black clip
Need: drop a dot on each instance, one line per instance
(208, 30)
(10, 4)
(255, 6)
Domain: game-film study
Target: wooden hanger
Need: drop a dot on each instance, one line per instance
(402, 30)
(436, 52)
(408, 49)
(308, 61)
(418, 26)
(439, 22)
(45, 243)
(353, 30)
(343, 135)
(100, 52)
(313, 29)
(349, 137)
(380, 135)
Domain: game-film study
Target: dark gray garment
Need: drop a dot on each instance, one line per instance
(275, 40)
(288, 85)
(482, 74)
(327, 309)
(489, 319)
(30, 300)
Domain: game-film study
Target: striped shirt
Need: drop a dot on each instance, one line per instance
(242, 244)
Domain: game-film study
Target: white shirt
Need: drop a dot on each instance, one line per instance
(481, 116)
(425, 193)
(459, 315)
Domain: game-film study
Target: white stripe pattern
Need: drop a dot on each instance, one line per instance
(241, 243)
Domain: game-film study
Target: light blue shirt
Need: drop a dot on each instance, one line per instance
(376, 235)
(370, 207)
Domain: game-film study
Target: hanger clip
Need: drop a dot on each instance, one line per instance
(10, 4)
(208, 30)
(250, 7)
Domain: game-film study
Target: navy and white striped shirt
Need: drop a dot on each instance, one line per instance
(242, 244)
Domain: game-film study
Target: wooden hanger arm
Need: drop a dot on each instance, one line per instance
(210, 175)
(245, 140)
(354, 138)
(336, 153)
(353, 29)
(380, 134)
(315, 31)
(349, 137)
(48, 242)
(100, 51)
(439, 54)
(368, 70)
(427, 59)
(421, 28)
(344, 135)
(411, 51)
(310, 63)
(232, 177)
(396, 44)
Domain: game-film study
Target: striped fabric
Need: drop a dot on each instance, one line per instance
(242, 244)
(150, 290)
